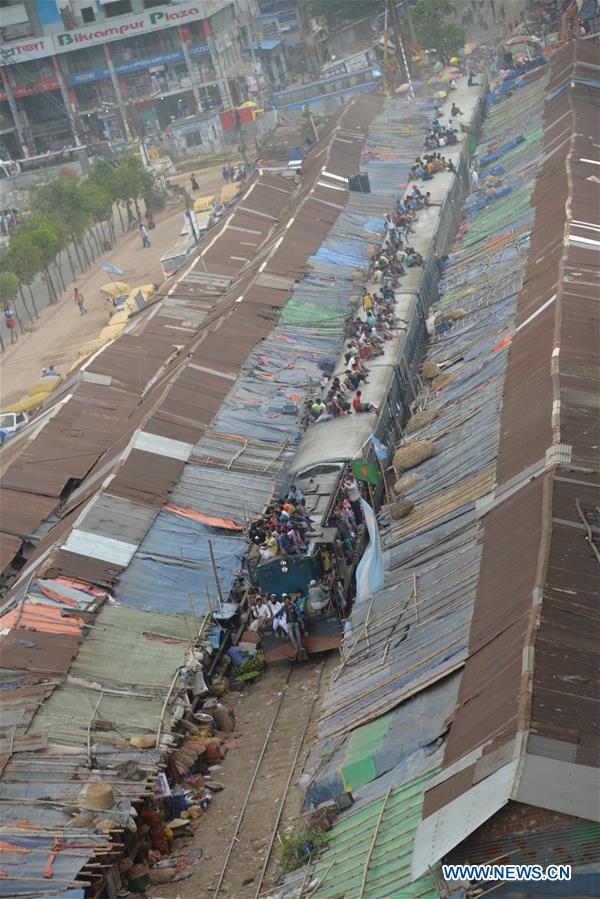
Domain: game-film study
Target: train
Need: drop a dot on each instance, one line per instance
(327, 450)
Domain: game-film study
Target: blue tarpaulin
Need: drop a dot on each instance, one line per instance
(156, 579)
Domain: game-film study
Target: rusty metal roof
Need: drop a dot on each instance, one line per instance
(169, 372)
(527, 722)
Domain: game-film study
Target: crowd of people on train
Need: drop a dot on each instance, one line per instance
(284, 529)
(367, 332)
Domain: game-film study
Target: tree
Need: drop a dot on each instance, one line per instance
(62, 198)
(97, 201)
(47, 235)
(338, 12)
(25, 260)
(434, 32)
(9, 288)
(133, 181)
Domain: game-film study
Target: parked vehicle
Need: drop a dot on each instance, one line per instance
(114, 295)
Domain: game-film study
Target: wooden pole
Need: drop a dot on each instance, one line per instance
(216, 574)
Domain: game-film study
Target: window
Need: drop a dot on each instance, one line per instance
(88, 15)
(118, 8)
(148, 4)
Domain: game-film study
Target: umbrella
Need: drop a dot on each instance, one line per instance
(439, 95)
(448, 76)
(113, 269)
(523, 39)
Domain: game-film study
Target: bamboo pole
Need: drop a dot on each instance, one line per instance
(373, 842)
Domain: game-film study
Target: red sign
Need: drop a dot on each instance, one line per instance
(34, 87)
(227, 120)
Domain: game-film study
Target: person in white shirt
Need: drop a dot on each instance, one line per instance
(354, 495)
(318, 597)
(261, 614)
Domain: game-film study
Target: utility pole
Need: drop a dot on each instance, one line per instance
(411, 25)
(400, 52)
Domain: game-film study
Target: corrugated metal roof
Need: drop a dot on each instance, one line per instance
(528, 695)
(369, 850)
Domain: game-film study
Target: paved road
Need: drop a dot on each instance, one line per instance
(60, 331)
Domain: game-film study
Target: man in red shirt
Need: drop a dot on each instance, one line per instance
(359, 406)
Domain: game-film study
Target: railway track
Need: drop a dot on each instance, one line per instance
(260, 815)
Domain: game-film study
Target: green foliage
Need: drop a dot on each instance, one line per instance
(433, 30)
(96, 200)
(132, 179)
(102, 174)
(252, 665)
(48, 235)
(9, 287)
(22, 258)
(63, 199)
(295, 849)
(338, 12)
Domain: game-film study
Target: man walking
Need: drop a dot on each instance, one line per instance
(144, 236)
(10, 320)
(79, 301)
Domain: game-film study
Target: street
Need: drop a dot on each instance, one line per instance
(56, 336)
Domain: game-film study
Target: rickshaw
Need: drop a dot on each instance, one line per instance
(114, 295)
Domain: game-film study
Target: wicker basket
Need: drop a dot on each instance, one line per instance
(400, 509)
(412, 454)
(421, 420)
(442, 381)
(99, 796)
(430, 370)
(405, 483)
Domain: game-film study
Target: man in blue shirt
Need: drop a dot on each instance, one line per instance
(295, 496)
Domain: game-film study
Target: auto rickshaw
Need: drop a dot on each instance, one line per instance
(114, 295)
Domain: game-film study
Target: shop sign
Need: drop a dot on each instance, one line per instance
(36, 87)
(21, 52)
(126, 26)
(136, 65)
(110, 30)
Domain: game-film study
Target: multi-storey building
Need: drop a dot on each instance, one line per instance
(74, 71)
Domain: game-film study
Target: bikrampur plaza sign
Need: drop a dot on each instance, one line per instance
(119, 28)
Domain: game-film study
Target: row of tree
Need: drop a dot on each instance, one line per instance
(74, 217)
(432, 19)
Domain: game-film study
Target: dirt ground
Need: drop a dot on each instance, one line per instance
(56, 336)
(254, 709)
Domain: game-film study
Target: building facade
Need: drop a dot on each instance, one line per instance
(85, 70)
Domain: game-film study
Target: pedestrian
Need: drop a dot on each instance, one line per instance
(225, 174)
(471, 80)
(195, 185)
(144, 236)
(10, 320)
(79, 301)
